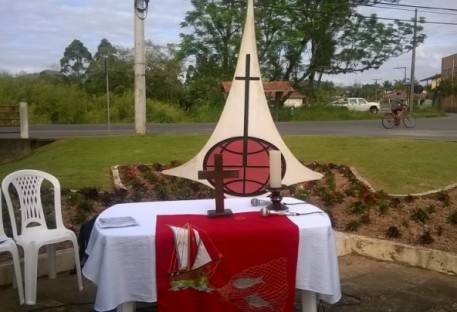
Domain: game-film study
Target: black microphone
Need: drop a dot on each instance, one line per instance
(259, 202)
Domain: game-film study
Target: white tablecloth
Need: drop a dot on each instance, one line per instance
(122, 260)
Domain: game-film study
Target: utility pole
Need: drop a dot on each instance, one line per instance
(140, 8)
(413, 65)
(107, 94)
(376, 92)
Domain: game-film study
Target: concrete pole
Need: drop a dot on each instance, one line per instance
(24, 120)
(140, 83)
(413, 65)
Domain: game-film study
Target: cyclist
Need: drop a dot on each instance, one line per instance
(397, 106)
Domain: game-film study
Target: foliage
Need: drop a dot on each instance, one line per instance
(297, 40)
(353, 225)
(453, 217)
(443, 197)
(425, 238)
(393, 232)
(75, 61)
(447, 87)
(420, 215)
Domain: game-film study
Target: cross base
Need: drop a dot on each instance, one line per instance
(276, 199)
(277, 206)
(217, 214)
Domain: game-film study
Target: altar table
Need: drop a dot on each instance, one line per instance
(122, 260)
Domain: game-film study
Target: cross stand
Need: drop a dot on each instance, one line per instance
(218, 174)
(276, 199)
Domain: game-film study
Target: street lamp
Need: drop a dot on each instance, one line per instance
(107, 94)
(141, 8)
(404, 68)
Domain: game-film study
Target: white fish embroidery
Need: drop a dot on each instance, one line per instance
(257, 302)
(246, 282)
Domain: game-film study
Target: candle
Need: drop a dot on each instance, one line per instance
(275, 169)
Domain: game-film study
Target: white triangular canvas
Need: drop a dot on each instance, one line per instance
(246, 131)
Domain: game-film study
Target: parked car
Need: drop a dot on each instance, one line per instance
(357, 104)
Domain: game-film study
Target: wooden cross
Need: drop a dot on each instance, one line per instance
(218, 174)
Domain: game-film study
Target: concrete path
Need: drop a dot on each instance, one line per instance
(367, 285)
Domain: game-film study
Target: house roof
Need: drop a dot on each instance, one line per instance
(403, 95)
(296, 95)
(268, 86)
(436, 76)
(393, 95)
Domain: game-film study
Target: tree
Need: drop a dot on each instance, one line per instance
(297, 39)
(75, 61)
(107, 58)
(163, 72)
(216, 33)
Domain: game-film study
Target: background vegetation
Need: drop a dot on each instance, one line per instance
(391, 165)
(298, 41)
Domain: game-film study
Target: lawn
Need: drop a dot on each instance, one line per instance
(393, 165)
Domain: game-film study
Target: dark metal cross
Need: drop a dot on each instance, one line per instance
(218, 175)
(247, 79)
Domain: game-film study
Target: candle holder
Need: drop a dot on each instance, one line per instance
(276, 199)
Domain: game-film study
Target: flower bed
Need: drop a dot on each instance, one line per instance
(352, 205)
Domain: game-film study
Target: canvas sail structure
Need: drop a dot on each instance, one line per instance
(246, 132)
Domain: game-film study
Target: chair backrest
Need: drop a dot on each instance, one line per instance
(2, 230)
(27, 184)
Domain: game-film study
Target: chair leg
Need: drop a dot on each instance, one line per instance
(17, 272)
(30, 273)
(77, 262)
(51, 261)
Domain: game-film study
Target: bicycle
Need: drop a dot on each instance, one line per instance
(390, 119)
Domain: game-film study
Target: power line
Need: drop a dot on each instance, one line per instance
(364, 16)
(414, 6)
(412, 10)
(360, 15)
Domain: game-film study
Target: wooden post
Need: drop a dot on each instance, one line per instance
(218, 175)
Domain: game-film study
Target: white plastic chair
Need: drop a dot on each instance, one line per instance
(34, 230)
(10, 246)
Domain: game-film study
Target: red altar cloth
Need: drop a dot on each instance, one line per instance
(245, 263)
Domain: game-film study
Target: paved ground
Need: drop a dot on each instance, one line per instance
(367, 285)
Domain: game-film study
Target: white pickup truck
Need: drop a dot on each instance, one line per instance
(357, 104)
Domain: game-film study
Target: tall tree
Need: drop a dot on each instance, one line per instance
(297, 39)
(108, 59)
(75, 61)
(163, 72)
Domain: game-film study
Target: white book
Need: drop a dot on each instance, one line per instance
(115, 222)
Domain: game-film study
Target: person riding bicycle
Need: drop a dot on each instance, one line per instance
(397, 106)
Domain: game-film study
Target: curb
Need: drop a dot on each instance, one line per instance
(346, 244)
(117, 178)
(429, 259)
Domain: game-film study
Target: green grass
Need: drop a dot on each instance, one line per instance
(392, 165)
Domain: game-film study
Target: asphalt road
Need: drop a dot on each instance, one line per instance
(444, 128)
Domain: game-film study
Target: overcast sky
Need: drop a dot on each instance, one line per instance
(35, 33)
